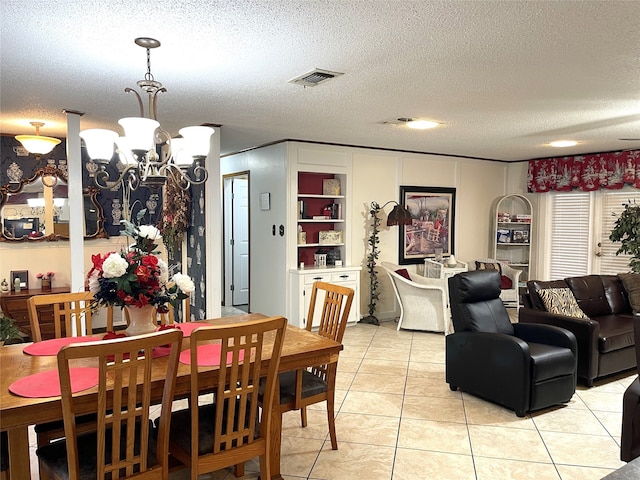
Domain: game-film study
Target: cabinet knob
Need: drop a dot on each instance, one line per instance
(317, 278)
(344, 276)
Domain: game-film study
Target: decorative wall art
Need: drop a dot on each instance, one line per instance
(433, 213)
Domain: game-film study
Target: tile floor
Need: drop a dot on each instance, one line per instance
(398, 420)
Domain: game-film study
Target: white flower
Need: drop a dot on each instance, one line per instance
(94, 285)
(164, 271)
(184, 283)
(148, 231)
(114, 266)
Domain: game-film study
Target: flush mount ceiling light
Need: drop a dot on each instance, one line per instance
(414, 123)
(563, 143)
(137, 148)
(37, 144)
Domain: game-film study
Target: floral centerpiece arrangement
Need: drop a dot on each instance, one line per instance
(137, 279)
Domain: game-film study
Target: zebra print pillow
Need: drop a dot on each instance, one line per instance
(561, 301)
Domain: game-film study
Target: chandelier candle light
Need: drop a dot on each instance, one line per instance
(137, 148)
(137, 279)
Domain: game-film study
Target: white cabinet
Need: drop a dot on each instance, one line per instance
(302, 281)
(512, 233)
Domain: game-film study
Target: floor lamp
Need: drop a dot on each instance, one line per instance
(398, 216)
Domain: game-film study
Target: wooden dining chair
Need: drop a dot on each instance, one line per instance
(69, 309)
(4, 456)
(301, 388)
(230, 431)
(123, 445)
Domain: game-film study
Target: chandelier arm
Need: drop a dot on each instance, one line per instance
(154, 114)
(140, 105)
(101, 177)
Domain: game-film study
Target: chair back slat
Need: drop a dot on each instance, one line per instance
(70, 310)
(124, 400)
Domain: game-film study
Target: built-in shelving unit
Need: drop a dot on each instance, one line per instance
(313, 204)
(512, 233)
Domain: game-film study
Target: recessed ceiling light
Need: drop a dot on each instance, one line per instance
(415, 123)
(563, 143)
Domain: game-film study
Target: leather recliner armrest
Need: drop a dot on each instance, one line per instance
(586, 332)
(547, 335)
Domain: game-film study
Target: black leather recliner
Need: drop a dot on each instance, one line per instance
(630, 438)
(523, 367)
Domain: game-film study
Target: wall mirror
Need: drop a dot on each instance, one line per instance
(37, 208)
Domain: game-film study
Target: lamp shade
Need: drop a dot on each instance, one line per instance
(140, 132)
(198, 139)
(124, 151)
(99, 143)
(179, 152)
(37, 144)
(399, 216)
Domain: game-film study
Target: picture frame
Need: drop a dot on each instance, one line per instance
(23, 275)
(433, 212)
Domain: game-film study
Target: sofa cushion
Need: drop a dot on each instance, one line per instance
(590, 295)
(616, 332)
(403, 272)
(616, 294)
(534, 286)
(560, 301)
(631, 282)
(488, 266)
(505, 282)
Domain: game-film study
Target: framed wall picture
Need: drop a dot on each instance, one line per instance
(433, 213)
(23, 276)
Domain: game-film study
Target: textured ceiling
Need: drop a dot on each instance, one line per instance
(504, 78)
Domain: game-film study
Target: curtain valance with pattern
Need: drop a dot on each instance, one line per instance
(611, 170)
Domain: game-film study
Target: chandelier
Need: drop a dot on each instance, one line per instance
(137, 148)
(37, 144)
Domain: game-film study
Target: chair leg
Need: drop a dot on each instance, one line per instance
(303, 416)
(332, 422)
(238, 470)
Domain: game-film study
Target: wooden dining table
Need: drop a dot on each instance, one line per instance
(301, 349)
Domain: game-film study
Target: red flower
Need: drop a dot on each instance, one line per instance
(150, 261)
(143, 273)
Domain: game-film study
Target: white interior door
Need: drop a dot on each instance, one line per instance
(240, 241)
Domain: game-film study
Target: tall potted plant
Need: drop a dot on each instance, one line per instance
(626, 230)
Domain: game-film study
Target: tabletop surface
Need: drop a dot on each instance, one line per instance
(301, 348)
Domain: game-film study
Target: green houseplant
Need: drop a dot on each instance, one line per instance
(626, 230)
(8, 329)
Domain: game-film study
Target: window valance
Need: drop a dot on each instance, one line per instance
(611, 170)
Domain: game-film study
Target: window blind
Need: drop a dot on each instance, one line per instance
(570, 234)
(612, 207)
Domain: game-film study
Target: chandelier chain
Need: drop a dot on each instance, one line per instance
(149, 76)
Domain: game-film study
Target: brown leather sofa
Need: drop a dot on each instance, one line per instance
(605, 339)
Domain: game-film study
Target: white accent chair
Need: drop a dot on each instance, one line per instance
(423, 302)
(509, 296)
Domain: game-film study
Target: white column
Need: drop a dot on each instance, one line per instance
(213, 224)
(76, 201)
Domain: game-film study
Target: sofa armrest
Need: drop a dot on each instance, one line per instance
(586, 332)
(547, 335)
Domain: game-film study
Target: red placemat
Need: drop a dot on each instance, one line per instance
(53, 346)
(208, 355)
(189, 327)
(47, 384)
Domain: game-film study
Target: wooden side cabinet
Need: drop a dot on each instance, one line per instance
(14, 305)
(302, 281)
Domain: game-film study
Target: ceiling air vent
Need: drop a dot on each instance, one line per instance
(314, 77)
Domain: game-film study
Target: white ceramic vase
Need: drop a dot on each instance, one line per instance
(141, 320)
